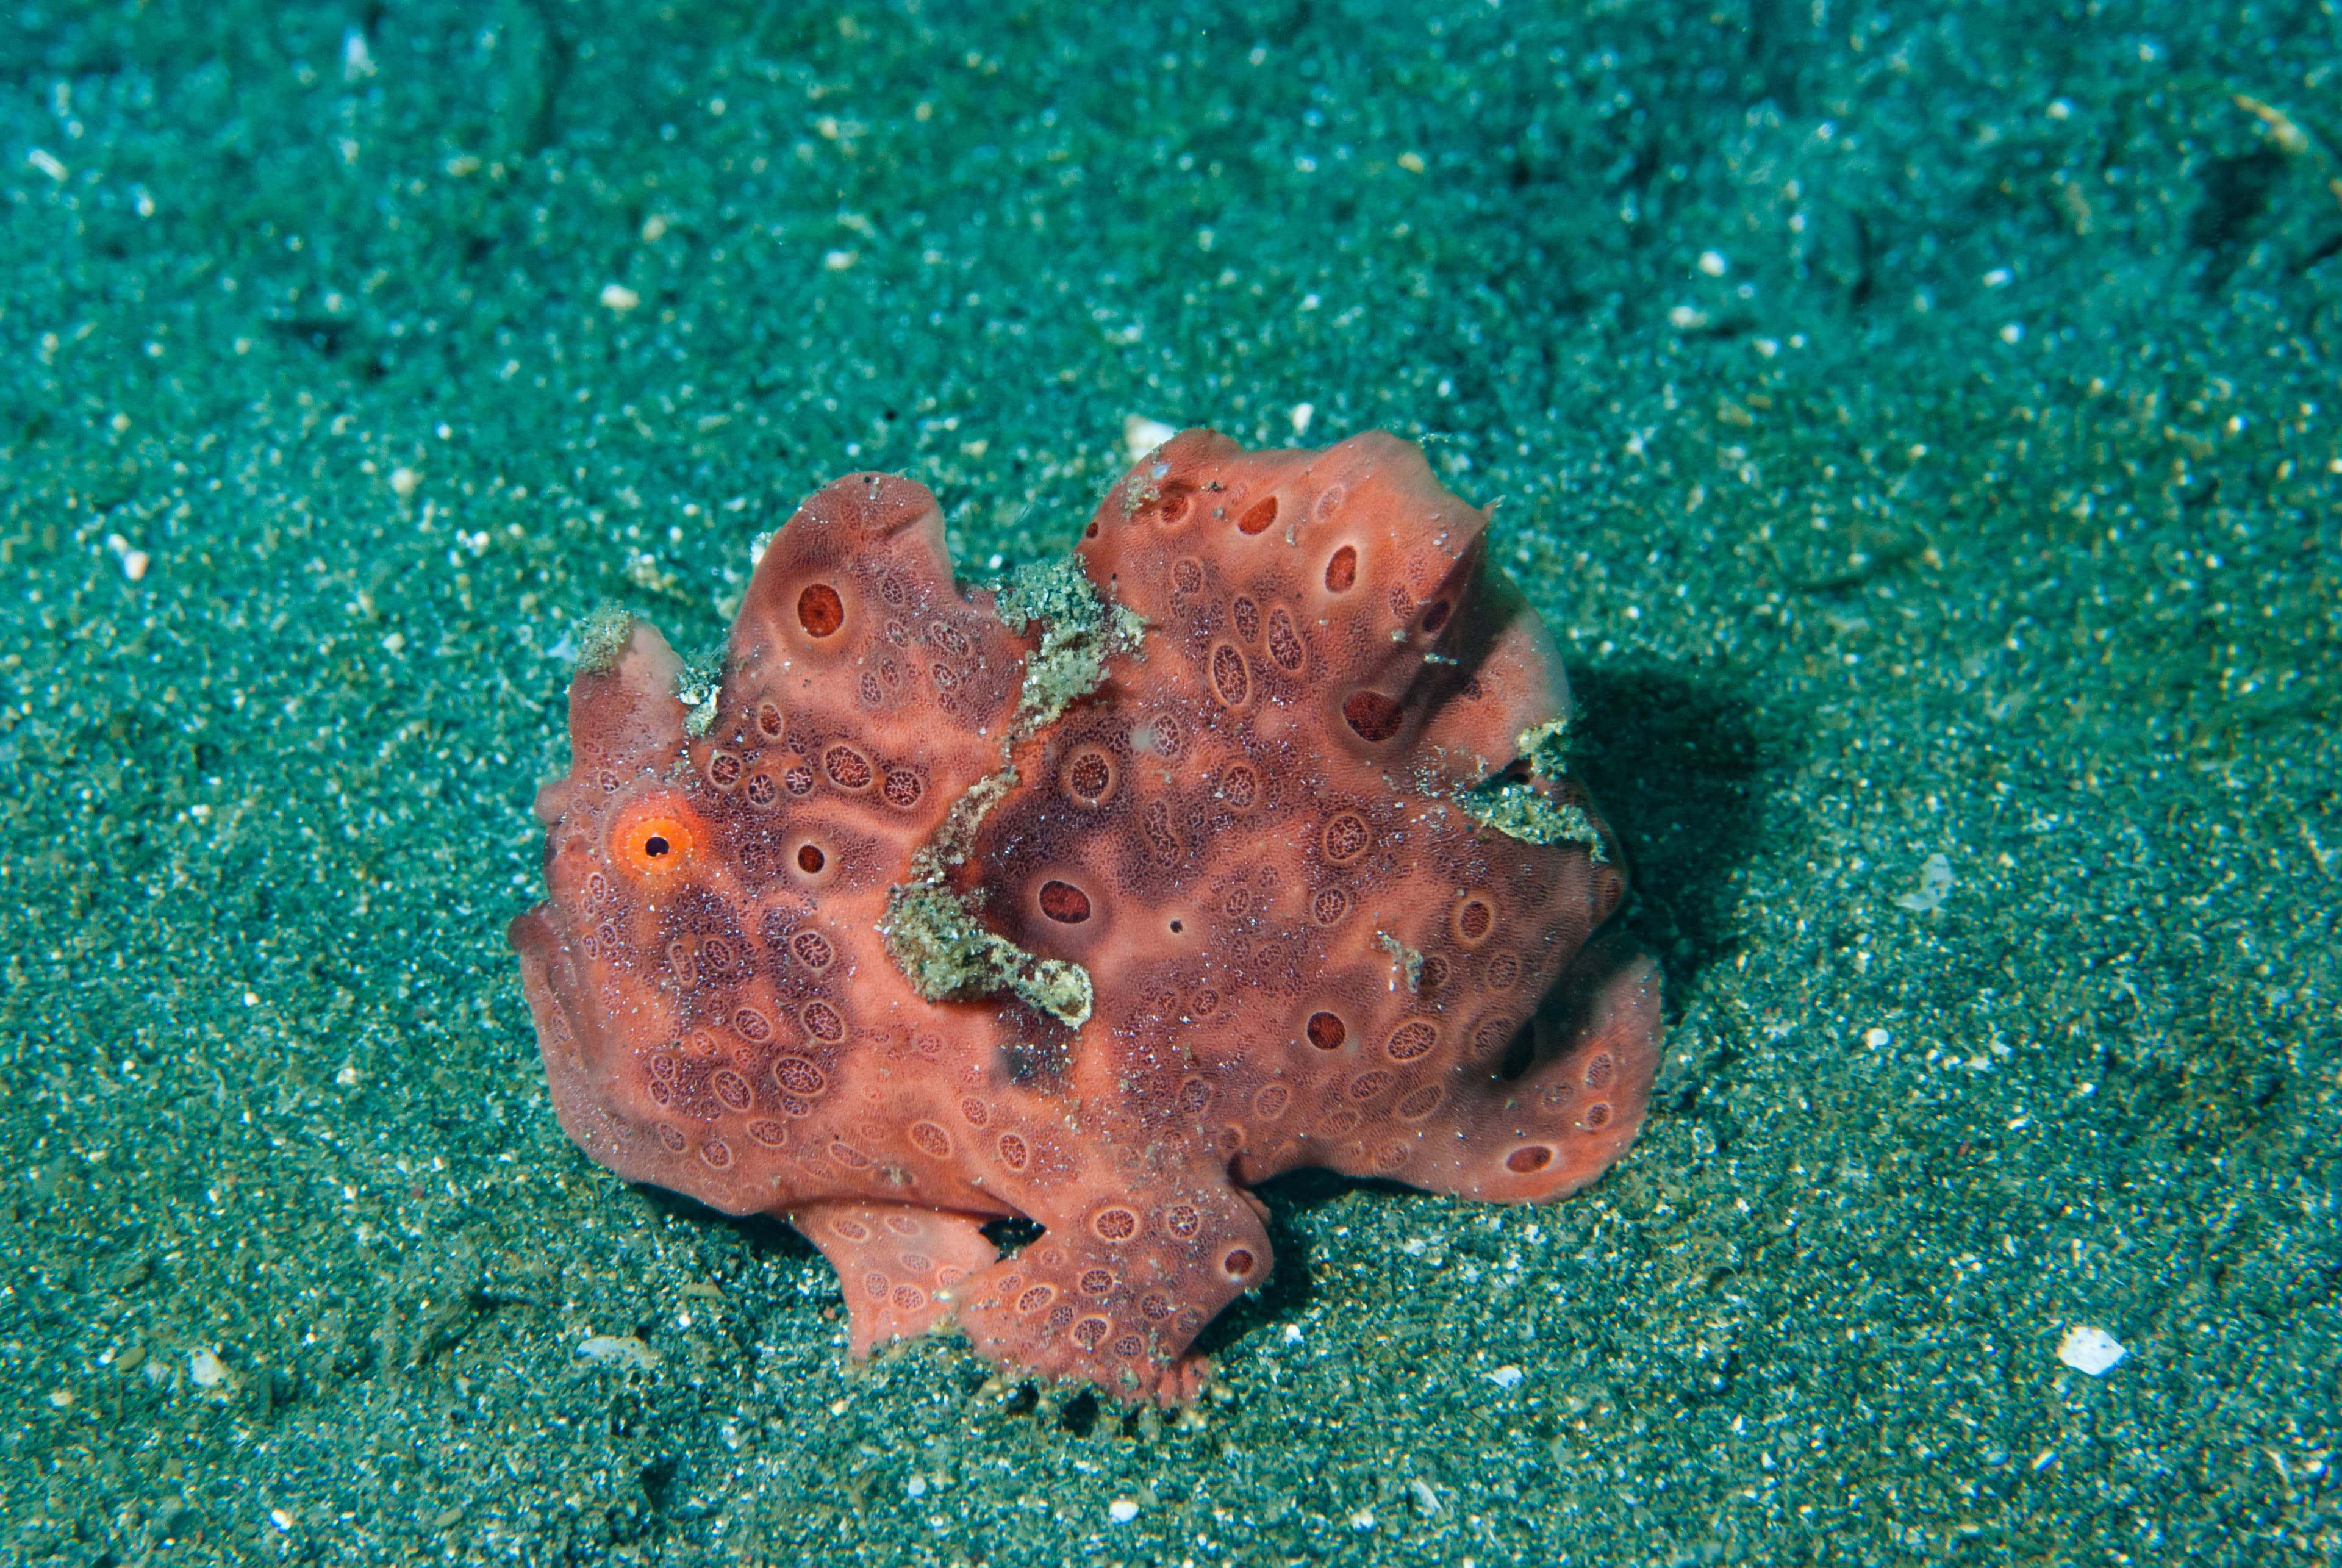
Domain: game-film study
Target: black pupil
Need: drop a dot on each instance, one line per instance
(1176, 926)
(654, 846)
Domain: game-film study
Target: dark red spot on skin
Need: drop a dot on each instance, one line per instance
(1420, 1103)
(1063, 903)
(1346, 837)
(1529, 1159)
(1475, 920)
(1231, 681)
(847, 768)
(820, 611)
(1412, 1039)
(799, 1076)
(1373, 716)
(1239, 1262)
(810, 860)
(1326, 1032)
(1436, 616)
(1342, 571)
(1258, 517)
(1089, 776)
(1284, 643)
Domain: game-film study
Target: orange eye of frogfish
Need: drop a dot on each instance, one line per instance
(655, 839)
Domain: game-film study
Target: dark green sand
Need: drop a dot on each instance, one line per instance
(1919, 426)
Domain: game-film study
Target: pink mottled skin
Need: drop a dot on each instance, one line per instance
(1305, 951)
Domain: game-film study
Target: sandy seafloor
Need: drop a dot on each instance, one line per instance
(1919, 425)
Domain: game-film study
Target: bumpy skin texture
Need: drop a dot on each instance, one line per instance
(1304, 951)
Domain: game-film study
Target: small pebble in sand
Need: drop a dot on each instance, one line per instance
(618, 297)
(1122, 1511)
(2092, 1351)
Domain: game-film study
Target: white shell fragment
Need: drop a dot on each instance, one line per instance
(1141, 436)
(2092, 1351)
(206, 1369)
(622, 1350)
(1935, 880)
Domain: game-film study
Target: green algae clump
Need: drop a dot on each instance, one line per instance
(1512, 805)
(1080, 631)
(942, 948)
(600, 637)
